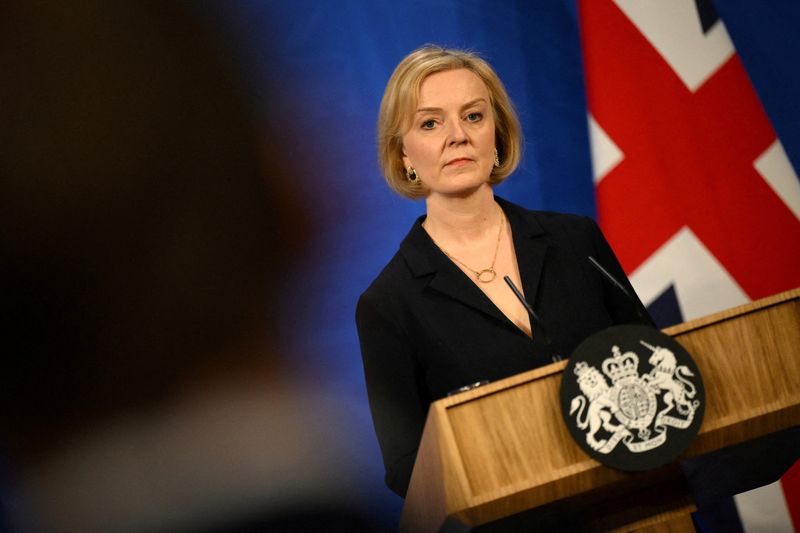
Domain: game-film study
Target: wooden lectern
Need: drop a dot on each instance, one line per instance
(503, 449)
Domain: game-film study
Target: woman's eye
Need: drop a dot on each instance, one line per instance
(428, 125)
(474, 117)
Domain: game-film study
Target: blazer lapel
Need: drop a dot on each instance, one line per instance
(424, 258)
(530, 246)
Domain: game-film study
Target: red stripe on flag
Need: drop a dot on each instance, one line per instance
(688, 158)
(790, 483)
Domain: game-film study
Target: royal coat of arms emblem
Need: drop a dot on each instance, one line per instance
(622, 408)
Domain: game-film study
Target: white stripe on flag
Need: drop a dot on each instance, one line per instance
(674, 29)
(775, 168)
(605, 154)
(763, 510)
(702, 285)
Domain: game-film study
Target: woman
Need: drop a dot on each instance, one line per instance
(439, 316)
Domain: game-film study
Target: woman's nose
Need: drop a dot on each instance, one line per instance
(455, 133)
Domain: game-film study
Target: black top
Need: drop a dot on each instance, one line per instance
(426, 329)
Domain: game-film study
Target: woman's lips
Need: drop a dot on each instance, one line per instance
(459, 162)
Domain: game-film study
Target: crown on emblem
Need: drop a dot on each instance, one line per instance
(581, 368)
(621, 365)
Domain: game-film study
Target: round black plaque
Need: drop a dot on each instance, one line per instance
(632, 397)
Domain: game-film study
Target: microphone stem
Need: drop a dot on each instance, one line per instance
(533, 315)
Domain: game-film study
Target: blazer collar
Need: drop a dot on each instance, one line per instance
(424, 258)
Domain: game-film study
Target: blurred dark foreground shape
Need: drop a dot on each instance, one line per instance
(144, 235)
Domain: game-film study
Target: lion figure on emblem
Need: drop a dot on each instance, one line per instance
(601, 406)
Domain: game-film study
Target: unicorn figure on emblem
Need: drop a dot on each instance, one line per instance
(667, 376)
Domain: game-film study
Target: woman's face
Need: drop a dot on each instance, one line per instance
(450, 142)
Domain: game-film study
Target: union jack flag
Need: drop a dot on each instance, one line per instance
(694, 190)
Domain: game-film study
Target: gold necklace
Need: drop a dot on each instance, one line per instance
(487, 275)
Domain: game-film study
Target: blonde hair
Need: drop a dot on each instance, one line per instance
(400, 99)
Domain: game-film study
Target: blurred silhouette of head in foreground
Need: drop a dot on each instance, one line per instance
(144, 235)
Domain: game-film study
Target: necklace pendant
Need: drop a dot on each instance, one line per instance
(486, 275)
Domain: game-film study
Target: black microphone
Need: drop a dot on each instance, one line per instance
(534, 316)
(637, 305)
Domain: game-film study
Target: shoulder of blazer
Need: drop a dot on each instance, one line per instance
(538, 222)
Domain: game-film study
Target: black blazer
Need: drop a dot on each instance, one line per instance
(426, 329)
